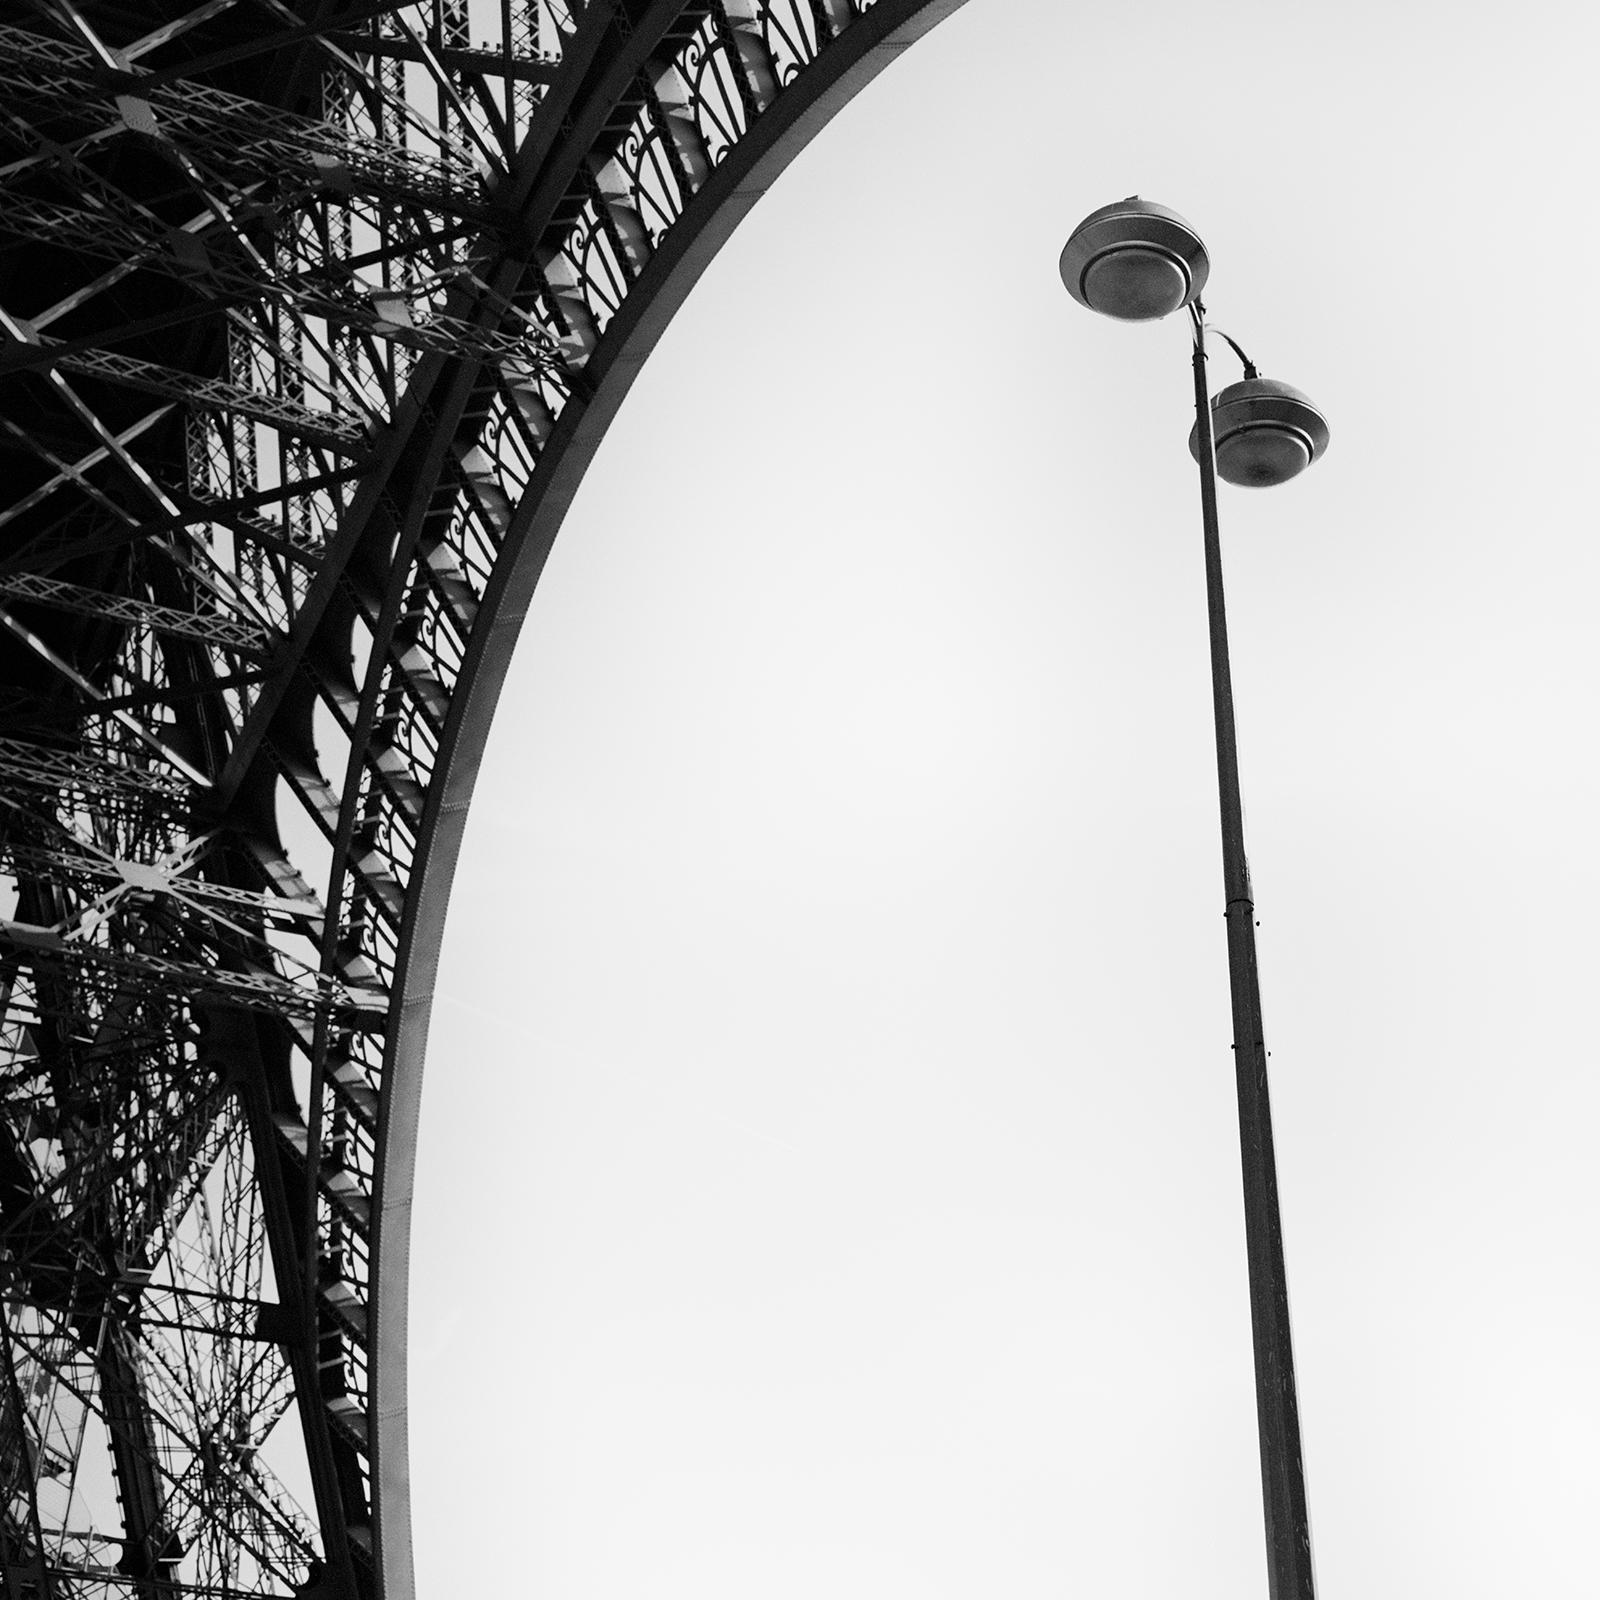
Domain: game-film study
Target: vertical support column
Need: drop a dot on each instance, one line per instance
(1283, 1487)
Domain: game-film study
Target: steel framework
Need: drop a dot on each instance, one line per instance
(314, 313)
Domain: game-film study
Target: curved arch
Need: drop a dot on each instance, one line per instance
(730, 192)
(314, 329)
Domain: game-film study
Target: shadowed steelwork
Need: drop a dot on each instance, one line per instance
(313, 316)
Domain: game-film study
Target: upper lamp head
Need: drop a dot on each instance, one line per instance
(1135, 261)
(1264, 432)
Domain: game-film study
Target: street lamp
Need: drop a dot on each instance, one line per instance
(1138, 261)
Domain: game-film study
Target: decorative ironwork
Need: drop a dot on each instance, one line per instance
(311, 315)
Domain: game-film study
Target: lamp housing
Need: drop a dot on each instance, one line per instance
(1264, 431)
(1134, 260)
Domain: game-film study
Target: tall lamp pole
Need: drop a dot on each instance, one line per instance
(1136, 261)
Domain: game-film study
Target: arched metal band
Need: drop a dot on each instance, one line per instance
(685, 251)
(327, 372)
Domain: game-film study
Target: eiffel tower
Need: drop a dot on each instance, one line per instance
(315, 312)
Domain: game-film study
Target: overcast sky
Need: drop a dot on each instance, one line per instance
(829, 1182)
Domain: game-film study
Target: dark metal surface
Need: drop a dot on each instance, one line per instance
(311, 317)
(1283, 1488)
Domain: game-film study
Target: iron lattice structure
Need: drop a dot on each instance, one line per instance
(314, 313)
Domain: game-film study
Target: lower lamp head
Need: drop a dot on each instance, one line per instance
(1265, 432)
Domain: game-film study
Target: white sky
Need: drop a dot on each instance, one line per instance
(829, 1173)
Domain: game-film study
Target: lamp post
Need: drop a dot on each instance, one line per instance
(1138, 261)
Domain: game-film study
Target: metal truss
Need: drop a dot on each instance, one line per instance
(312, 315)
